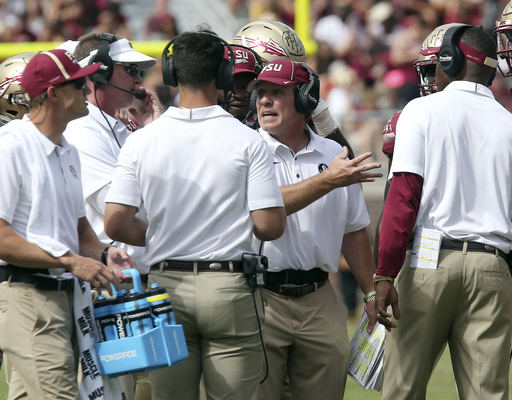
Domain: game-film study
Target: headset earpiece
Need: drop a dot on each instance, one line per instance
(224, 78)
(168, 70)
(102, 56)
(307, 95)
(450, 57)
(252, 102)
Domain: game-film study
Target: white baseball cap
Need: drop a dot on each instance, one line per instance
(122, 51)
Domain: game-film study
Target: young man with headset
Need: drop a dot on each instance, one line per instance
(305, 321)
(451, 181)
(100, 135)
(207, 185)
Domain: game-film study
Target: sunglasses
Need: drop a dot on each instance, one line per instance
(80, 83)
(132, 69)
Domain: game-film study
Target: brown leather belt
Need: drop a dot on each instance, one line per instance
(203, 266)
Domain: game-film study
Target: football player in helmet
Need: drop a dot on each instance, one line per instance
(274, 40)
(503, 32)
(426, 70)
(13, 104)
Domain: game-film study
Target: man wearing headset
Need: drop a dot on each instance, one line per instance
(100, 135)
(305, 321)
(207, 184)
(451, 182)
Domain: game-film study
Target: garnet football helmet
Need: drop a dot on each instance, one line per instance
(13, 104)
(272, 40)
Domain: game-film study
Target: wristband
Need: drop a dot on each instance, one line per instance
(104, 254)
(379, 278)
(369, 297)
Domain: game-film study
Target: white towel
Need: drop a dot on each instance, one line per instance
(93, 385)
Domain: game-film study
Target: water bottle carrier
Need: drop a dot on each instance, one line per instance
(160, 347)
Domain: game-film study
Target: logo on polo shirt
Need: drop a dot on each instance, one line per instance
(322, 167)
(73, 171)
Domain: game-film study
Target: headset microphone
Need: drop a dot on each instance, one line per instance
(138, 94)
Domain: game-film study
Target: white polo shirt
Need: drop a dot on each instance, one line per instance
(460, 140)
(99, 151)
(198, 172)
(16, 192)
(314, 235)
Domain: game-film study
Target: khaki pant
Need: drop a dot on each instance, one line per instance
(307, 335)
(36, 331)
(218, 316)
(466, 303)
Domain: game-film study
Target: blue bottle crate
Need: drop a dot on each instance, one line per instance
(160, 347)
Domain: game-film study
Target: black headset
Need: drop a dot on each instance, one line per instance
(102, 56)
(307, 95)
(224, 80)
(451, 57)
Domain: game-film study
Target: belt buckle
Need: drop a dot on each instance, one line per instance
(297, 289)
(489, 248)
(215, 266)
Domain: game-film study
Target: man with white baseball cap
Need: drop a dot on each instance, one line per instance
(100, 135)
(44, 232)
(325, 215)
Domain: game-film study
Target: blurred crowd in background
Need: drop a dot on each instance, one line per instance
(366, 48)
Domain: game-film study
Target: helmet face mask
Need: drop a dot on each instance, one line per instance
(272, 40)
(13, 104)
(427, 77)
(503, 32)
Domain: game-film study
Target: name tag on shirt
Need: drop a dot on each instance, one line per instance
(425, 249)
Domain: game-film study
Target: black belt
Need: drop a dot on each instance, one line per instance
(214, 266)
(295, 290)
(41, 281)
(471, 246)
(296, 276)
(296, 283)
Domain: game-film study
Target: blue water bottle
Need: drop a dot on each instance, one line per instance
(105, 321)
(160, 304)
(138, 313)
(118, 311)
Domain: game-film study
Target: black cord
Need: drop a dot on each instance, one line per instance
(259, 323)
(261, 338)
(106, 119)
